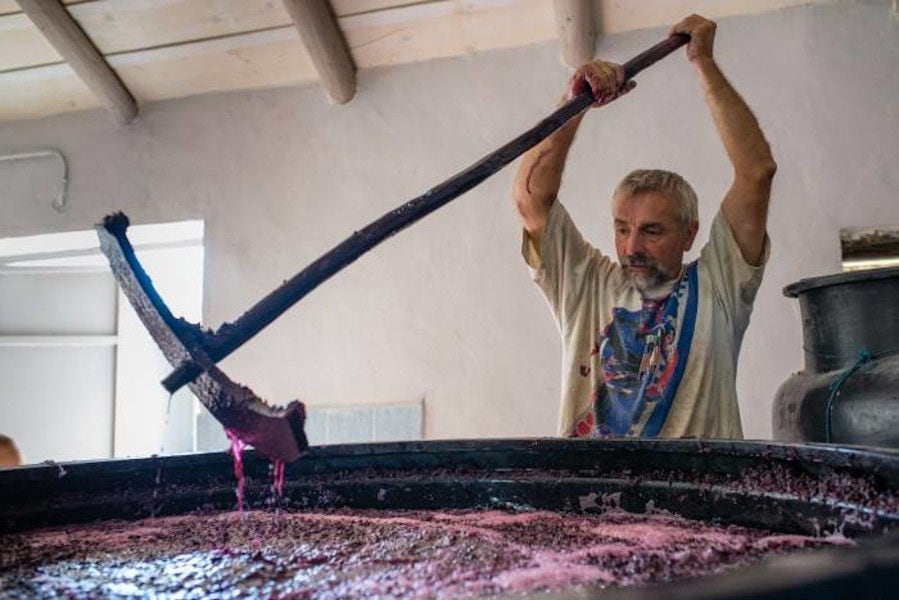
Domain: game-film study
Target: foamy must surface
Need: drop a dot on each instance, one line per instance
(364, 553)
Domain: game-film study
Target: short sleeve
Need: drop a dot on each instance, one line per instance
(734, 280)
(564, 265)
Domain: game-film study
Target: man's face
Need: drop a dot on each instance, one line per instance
(650, 238)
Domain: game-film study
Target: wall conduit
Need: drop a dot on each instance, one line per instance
(59, 202)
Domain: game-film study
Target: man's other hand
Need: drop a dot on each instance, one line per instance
(604, 79)
(702, 36)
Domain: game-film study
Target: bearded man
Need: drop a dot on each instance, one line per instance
(650, 345)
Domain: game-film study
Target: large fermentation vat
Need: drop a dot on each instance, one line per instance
(786, 488)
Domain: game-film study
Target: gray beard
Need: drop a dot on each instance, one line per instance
(651, 278)
(643, 282)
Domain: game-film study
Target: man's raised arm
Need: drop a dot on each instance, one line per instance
(540, 172)
(745, 206)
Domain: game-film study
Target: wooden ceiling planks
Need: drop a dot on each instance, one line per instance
(343, 8)
(117, 26)
(43, 91)
(274, 56)
(255, 60)
(221, 44)
(8, 7)
(172, 48)
(23, 45)
(439, 29)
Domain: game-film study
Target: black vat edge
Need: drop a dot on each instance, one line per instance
(802, 286)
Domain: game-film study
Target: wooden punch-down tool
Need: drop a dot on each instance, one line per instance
(277, 432)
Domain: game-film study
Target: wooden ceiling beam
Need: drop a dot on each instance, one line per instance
(326, 46)
(577, 30)
(61, 30)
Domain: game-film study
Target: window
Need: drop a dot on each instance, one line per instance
(79, 374)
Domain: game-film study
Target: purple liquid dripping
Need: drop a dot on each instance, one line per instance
(237, 447)
(278, 480)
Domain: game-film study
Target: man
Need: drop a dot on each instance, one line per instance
(9, 453)
(650, 345)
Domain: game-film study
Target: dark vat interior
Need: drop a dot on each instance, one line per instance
(787, 488)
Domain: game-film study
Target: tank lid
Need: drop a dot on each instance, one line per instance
(804, 285)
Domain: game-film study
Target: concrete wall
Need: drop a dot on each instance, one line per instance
(445, 310)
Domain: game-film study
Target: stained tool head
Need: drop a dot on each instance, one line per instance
(275, 432)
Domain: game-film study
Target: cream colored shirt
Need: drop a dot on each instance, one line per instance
(620, 348)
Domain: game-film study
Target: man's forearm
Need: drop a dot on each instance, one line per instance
(540, 176)
(740, 133)
(745, 205)
(540, 172)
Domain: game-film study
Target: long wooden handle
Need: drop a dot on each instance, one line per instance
(232, 335)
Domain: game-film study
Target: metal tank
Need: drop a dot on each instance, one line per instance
(786, 488)
(848, 392)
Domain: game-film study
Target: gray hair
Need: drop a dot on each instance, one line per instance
(668, 183)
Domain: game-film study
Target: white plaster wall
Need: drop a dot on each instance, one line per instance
(445, 310)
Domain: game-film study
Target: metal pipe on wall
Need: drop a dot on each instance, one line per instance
(59, 203)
